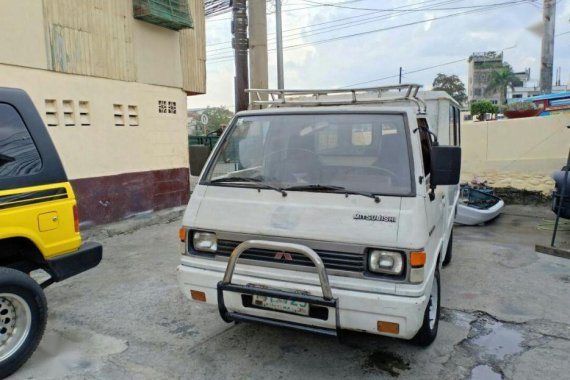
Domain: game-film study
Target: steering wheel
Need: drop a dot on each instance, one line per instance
(379, 169)
(290, 150)
(281, 171)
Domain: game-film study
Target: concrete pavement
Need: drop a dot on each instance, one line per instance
(506, 314)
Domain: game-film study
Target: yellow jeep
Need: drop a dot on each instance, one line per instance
(39, 227)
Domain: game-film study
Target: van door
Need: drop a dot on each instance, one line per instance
(434, 208)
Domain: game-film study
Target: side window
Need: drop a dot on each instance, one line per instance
(458, 126)
(18, 153)
(425, 139)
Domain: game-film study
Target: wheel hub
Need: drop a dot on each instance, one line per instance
(15, 324)
(7, 320)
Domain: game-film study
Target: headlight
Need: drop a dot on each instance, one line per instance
(386, 262)
(205, 241)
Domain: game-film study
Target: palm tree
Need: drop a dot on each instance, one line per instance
(500, 80)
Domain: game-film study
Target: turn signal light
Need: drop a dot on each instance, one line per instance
(417, 259)
(388, 327)
(182, 233)
(75, 218)
(198, 296)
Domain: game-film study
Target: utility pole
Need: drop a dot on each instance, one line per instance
(400, 80)
(258, 45)
(240, 45)
(547, 53)
(278, 30)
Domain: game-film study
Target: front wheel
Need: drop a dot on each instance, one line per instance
(23, 317)
(428, 331)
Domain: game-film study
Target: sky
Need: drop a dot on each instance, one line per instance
(441, 31)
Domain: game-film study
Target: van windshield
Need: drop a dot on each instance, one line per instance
(353, 152)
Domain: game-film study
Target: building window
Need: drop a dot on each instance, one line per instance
(166, 106)
(52, 114)
(171, 107)
(517, 96)
(84, 117)
(162, 106)
(68, 113)
(171, 14)
(477, 92)
(133, 116)
(118, 111)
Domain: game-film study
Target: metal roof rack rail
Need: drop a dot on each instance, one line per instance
(317, 97)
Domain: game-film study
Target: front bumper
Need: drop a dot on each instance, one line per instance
(356, 310)
(88, 256)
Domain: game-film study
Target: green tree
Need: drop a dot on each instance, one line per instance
(452, 85)
(482, 107)
(217, 116)
(500, 80)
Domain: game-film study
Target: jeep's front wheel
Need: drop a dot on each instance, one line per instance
(428, 331)
(23, 317)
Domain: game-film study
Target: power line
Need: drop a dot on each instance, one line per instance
(342, 25)
(333, 21)
(403, 10)
(501, 5)
(319, 42)
(344, 21)
(416, 71)
(408, 72)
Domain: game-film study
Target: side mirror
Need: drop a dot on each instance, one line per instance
(445, 165)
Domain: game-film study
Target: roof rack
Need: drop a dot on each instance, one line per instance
(368, 95)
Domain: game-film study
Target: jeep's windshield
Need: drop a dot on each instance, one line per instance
(357, 152)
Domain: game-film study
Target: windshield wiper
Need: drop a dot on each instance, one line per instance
(315, 187)
(256, 180)
(333, 189)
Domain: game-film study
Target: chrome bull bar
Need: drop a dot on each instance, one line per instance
(326, 300)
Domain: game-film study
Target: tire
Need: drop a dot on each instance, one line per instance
(23, 317)
(449, 251)
(428, 332)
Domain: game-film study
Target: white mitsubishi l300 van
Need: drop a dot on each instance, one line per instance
(328, 210)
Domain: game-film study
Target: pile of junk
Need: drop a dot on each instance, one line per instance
(478, 203)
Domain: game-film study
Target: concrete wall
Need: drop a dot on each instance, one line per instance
(519, 153)
(23, 38)
(154, 47)
(159, 141)
(101, 38)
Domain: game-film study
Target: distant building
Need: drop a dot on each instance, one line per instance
(110, 79)
(531, 89)
(480, 67)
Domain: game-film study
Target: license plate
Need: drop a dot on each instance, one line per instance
(281, 304)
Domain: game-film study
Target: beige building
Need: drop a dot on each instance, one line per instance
(110, 79)
(480, 67)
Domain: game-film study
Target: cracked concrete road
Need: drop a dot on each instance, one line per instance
(506, 315)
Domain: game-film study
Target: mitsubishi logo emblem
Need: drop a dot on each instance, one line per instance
(283, 256)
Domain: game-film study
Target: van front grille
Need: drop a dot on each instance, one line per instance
(353, 262)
